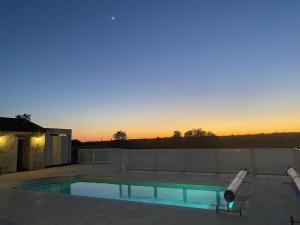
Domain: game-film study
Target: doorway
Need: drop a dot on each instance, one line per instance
(22, 155)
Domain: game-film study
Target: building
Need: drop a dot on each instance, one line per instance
(25, 145)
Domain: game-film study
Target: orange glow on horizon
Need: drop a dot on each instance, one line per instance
(162, 122)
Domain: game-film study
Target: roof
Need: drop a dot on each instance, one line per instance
(21, 125)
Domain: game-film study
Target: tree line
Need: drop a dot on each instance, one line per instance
(121, 135)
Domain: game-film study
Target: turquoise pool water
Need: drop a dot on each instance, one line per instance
(165, 193)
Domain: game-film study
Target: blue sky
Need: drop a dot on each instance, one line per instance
(225, 66)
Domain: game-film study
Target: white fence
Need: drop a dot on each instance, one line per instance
(258, 161)
(105, 155)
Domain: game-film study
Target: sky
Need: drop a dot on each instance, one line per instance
(152, 67)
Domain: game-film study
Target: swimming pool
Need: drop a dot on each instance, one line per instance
(165, 193)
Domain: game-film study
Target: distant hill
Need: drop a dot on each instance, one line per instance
(273, 140)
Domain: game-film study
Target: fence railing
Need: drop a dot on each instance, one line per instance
(257, 160)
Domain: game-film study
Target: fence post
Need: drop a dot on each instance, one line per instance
(253, 161)
(216, 159)
(154, 162)
(78, 156)
(93, 156)
(109, 156)
(184, 160)
(129, 159)
(120, 161)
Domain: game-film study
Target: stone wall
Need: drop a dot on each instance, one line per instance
(9, 150)
(8, 153)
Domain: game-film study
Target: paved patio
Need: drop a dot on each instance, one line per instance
(271, 201)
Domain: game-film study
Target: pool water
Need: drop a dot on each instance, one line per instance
(165, 193)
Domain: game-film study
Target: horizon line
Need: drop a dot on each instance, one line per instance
(227, 135)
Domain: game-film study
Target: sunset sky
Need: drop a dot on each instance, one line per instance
(152, 67)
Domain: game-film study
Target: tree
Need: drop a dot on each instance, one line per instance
(189, 133)
(76, 142)
(177, 134)
(210, 134)
(25, 116)
(120, 136)
(198, 133)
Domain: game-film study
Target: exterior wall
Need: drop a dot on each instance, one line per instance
(58, 146)
(42, 149)
(35, 145)
(37, 152)
(8, 153)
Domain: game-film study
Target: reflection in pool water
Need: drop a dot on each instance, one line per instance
(186, 195)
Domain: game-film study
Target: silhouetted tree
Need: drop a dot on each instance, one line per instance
(198, 133)
(76, 142)
(177, 134)
(189, 133)
(210, 134)
(25, 116)
(120, 136)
